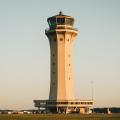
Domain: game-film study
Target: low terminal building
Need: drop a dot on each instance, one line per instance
(64, 106)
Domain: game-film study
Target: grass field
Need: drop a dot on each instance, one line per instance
(61, 117)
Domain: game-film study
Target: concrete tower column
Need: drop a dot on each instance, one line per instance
(61, 35)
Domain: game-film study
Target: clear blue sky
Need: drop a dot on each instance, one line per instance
(24, 50)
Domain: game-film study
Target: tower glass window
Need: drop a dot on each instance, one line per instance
(69, 21)
(52, 22)
(60, 21)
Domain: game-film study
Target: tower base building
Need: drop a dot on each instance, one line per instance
(61, 35)
(64, 106)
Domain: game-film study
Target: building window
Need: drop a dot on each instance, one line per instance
(69, 64)
(68, 40)
(61, 39)
(53, 83)
(53, 72)
(68, 55)
(53, 63)
(69, 78)
(54, 40)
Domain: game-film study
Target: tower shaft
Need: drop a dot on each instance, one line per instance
(61, 83)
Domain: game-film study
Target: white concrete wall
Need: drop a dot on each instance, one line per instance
(61, 86)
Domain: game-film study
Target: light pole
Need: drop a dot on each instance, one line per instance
(92, 92)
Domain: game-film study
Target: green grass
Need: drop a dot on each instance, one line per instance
(61, 117)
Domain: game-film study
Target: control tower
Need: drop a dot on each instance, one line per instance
(61, 35)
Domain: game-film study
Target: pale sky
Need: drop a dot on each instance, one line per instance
(25, 51)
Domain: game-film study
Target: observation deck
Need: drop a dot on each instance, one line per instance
(60, 21)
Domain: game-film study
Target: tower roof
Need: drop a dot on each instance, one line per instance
(61, 14)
